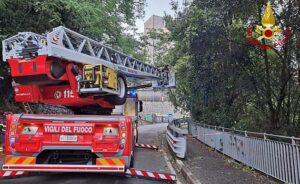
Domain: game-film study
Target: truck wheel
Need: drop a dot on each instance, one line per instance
(122, 89)
(137, 136)
(131, 161)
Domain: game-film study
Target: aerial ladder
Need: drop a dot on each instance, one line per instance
(66, 68)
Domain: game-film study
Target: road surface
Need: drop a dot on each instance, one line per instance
(144, 159)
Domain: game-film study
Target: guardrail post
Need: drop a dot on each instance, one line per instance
(293, 140)
(265, 137)
(246, 135)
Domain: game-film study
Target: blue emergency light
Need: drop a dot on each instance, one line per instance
(132, 93)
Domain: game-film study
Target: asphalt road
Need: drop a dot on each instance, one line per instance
(144, 159)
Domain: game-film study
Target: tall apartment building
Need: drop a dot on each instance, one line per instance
(155, 102)
(153, 23)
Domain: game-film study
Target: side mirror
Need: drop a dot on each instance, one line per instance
(140, 106)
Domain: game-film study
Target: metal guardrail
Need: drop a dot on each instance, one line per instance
(176, 138)
(261, 151)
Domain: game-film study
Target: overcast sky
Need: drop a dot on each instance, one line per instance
(155, 7)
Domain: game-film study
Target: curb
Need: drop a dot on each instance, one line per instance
(186, 172)
(183, 169)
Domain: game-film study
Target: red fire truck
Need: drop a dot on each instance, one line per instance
(68, 69)
(85, 143)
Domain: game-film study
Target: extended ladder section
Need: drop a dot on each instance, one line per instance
(70, 45)
(27, 108)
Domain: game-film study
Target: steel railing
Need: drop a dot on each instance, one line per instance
(277, 156)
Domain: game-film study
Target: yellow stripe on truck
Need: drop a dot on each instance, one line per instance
(117, 161)
(104, 162)
(28, 160)
(12, 160)
(110, 161)
(20, 160)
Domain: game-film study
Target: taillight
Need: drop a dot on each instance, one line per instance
(13, 129)
(12, 140)
(123, 136)
(12, 132)
(123, 141)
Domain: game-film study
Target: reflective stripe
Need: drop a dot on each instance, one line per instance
(19, 172)
(150, 146)
(110, 161)
(7, 173)
(20, 160)
(103, 162)
(154, 175)
(150, 174)
(12, 160)
(11, 173)
(139, 173)
(162, 176)
(29, 160)
(118, 161)
(64, 168)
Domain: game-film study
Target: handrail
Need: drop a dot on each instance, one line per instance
(249, 133)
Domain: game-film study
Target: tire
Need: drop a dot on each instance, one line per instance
(131, 161)
(122, 89)
(137, 136)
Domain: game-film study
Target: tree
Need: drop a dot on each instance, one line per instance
(223, 79)
(102, 20)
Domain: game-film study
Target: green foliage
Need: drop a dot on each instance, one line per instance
(224, 80)
(103, 20)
